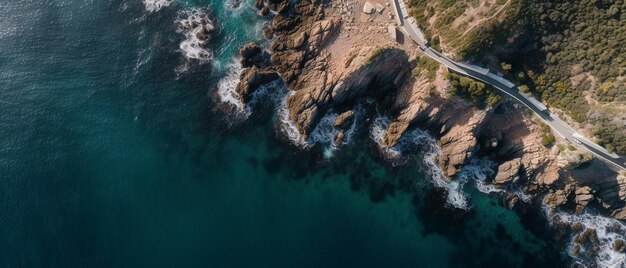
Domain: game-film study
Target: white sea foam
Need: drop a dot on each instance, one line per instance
(608, 231)
(196, 26)
(226, 87)
(325, 132)
(358, 114)
(287, 126)
(277, 93)
(378, 130)
(156, 5)
(233, 4)
(429, 150)
(477, 169)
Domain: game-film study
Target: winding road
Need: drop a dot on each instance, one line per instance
(410, 28)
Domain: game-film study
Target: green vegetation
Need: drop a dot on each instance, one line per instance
(444, 28)
(426, 64)
(548, 138)
(578, 39)
(378, 51)
(571, 147)
(563, 52)
(612, 138)
(474, 91)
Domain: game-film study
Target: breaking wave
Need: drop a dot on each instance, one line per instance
(197, 27)
(478, 170)
(287, 126)
(325, 133)
(429, 151)
(226, 87)
(156, 5)
(378, 130)
(233, 4)
(594, 242)
(275, 92)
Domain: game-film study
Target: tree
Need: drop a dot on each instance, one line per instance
(506, 67)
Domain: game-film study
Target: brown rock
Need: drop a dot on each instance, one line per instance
(508, 172)
(555, 199)
(344, 121)
(253, 55)
(619, 245)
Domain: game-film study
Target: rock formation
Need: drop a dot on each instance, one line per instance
(302, 34)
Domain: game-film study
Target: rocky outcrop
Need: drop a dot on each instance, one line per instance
(508, 172)
(319, 82)
(278, 6)
(253, 55)
(372, 71)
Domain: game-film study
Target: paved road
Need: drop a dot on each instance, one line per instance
(506, 87)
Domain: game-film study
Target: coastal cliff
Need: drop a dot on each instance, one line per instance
(332, 58)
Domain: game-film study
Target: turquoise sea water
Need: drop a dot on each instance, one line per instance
(111, 154)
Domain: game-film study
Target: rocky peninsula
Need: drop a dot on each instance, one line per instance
(334, 55)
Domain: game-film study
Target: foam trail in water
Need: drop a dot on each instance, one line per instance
(287, 126)
(456, 197)
(278, 93)
(233, 5)
(479, 170)
(358, 113)
(608, 230)
(196, 26)
(378, 130)
(430, 152)
(156, 5)
(325, 132)
(226, 87)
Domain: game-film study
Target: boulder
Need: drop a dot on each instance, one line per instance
(619, 246)
(344, 121)
(252, 54)
(508, 172)
(369, 8)
(555, 198)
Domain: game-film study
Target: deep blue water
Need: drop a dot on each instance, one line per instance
(110, 155)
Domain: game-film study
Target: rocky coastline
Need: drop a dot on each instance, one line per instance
(332, 56)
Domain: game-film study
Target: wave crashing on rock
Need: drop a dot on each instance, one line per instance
(595, 240)
(197, 27)
(156, 5)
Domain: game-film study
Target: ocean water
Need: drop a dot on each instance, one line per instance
(112, 153)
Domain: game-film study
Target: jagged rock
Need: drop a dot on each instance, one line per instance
(584, 195)
(339, 137)
(344, 120)
(508, 172)
(619, 213)
(555, 199)
(278, 6)
(300, 34)
(588, 238)
(370, 68)
(459, 144)
(619, 246)
(253, 55)
(575, 251)
(264, 11)
(298, 41)
(251, 79)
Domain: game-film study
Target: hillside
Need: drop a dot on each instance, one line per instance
(569, 54)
